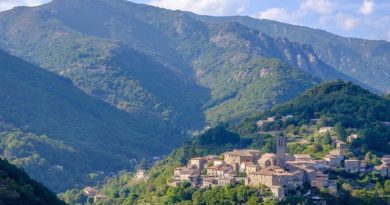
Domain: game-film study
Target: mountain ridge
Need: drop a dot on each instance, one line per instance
(49, 117)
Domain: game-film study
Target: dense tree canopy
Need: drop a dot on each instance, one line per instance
(16, 187)
(339, 104)
(218, 136)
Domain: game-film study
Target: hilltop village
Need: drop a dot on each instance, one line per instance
(280, 172)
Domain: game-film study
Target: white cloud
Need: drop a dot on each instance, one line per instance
(367, 7)
(346, 22)
(319, 6)
(306, 7)
(279, 14)
(9, 4)
(207, 7)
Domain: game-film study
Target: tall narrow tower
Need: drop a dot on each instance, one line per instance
(281, 151)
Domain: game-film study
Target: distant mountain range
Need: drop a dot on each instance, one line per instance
(363, 60)
(141, 76)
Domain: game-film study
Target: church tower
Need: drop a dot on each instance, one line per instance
(281, 151)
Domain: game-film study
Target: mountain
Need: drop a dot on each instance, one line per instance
(363, 60)
(18, 188)
(113, 50)
(60, 134)
(335, 103)
(133, 79)
(346, 106)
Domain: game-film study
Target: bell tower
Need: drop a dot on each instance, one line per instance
(281, 151)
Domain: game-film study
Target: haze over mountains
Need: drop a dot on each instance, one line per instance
(148, 75)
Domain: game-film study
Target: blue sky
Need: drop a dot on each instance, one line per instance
(353, 18)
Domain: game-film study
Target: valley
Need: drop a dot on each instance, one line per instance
(93, 90)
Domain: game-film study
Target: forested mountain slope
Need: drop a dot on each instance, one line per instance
(364, 60)
(114, 49)
(17, 188)
(336, 102)
(49, 125)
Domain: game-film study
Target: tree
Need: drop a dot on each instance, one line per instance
(341, 132)
(218, 136)
(387, 187)
(326, 139)
(290, 130)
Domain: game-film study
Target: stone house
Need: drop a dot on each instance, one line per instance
(218, 162)
(334, 158)
(238, 157)
(267, 160)
(182, 174)
(140, 174)
(251, 168)
(224, 181)
(340, 145)
(209, 182)
(274, 176)
(278, 191)
(352, 165)
(197, 163)
(384, 168)
(321, 181)
(220, 170)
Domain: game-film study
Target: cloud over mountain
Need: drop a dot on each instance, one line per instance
(8, 4)
(209, 7)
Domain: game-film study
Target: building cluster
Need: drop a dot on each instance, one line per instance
(278, 171)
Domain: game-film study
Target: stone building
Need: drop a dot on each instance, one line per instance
(245, 166)
(267, 160)
(183, 174)
(275, 178)
(238, 157)
(352, 165)
(251, 168)
(140, 174)
(224, 181)
(209, 182)
(321, 181)
(198, 163)
(334, 158)
(220, 170)
(384, 168)
(281, 151)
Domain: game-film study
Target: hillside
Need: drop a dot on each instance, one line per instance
(133, 79)
(327, 101)
(364, 60)
(17, 188)
(336, 102)
(60, 134)
(218, 63)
